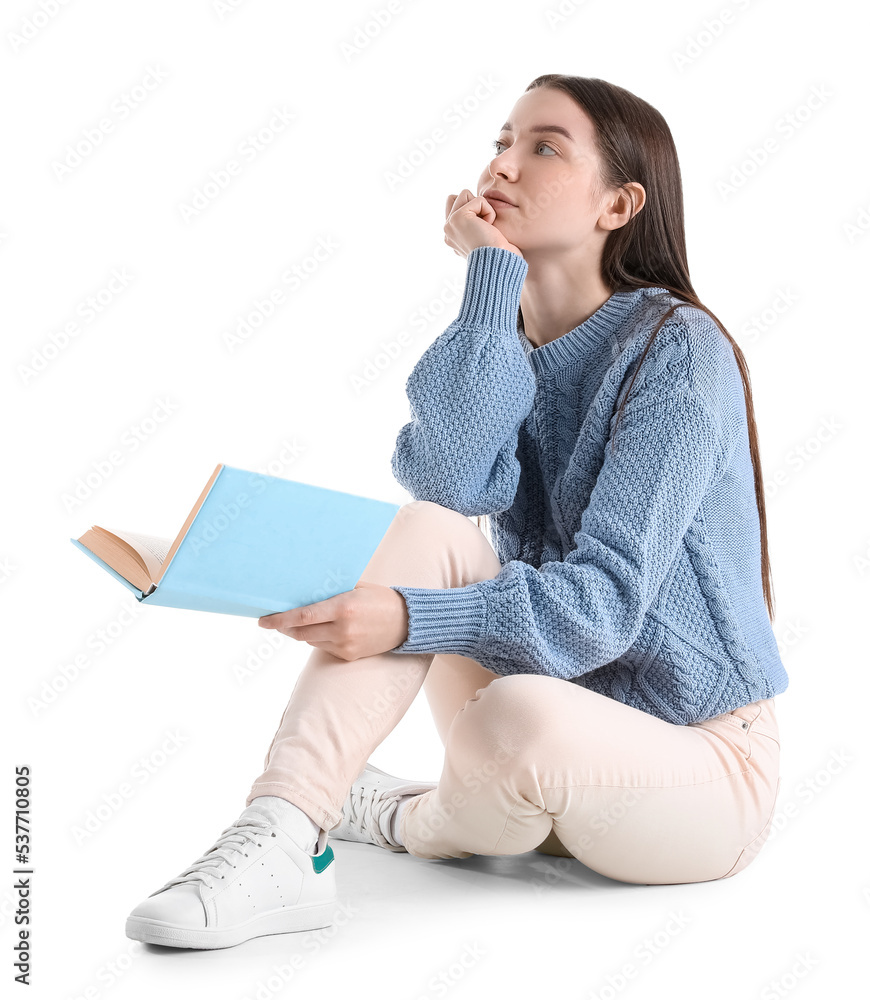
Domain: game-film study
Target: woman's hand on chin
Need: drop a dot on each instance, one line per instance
(469, 225)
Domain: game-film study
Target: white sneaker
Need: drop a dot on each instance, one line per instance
(254, 881)
(368, 809)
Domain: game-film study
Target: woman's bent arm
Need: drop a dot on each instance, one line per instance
(570, 617)
(469, 393)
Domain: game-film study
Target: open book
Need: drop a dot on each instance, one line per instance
(252, 545)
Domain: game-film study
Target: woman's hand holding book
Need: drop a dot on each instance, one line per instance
(365, 621)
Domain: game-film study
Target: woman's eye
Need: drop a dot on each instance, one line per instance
(497, 142)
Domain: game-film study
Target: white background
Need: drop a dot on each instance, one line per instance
(788, 245)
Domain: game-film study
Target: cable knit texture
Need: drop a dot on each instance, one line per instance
(630, 567)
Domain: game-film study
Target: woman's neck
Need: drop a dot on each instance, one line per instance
(557, 297)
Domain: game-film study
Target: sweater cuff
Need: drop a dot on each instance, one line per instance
(443, 621)
(493, 285)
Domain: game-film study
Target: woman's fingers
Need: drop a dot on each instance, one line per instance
(310, 633)
(457, 201)
(308, 614)
(486, 212)
(469, 222)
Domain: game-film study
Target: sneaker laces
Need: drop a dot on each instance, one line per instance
(361, 814)
(233, 840)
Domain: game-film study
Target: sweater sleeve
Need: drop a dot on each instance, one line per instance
(469, 393)
(570, 617)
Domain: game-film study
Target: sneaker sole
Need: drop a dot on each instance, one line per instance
(284, 921)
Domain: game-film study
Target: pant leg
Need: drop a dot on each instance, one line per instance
(340, 710)
(633, 797)
(453, 679)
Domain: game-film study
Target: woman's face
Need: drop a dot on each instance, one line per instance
(550, 178)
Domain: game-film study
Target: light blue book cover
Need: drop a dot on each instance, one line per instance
(260, 544)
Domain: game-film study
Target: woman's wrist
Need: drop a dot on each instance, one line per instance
(493, 285)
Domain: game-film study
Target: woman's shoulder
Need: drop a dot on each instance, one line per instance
(689, 352)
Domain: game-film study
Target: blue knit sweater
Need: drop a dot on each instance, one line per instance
(636, 572)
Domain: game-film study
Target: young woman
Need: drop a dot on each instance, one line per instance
(602, 669)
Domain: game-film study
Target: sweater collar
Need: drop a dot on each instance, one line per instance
(594, 335)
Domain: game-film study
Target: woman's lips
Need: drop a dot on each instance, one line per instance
(497, 198)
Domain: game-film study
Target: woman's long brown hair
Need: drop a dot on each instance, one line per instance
(635, 144)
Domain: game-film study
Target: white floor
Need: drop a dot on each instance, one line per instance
(523, 926)
(793, 924)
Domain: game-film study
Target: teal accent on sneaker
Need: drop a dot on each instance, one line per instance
(322, 861)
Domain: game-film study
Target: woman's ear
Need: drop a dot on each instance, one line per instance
(625, 203)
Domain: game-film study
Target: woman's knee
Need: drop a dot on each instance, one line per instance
(432, 519)
(427, 507)
(470, 552)
(431, 511)
(513, 713)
